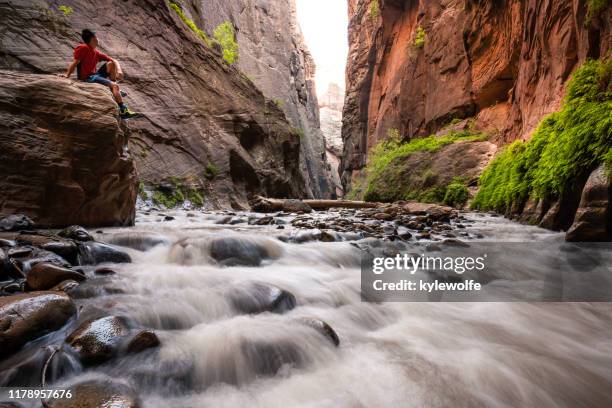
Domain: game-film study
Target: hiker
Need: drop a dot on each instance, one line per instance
(86, 59)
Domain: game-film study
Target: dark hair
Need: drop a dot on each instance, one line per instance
(87, 35)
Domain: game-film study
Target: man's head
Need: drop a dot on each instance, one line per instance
(89, 37)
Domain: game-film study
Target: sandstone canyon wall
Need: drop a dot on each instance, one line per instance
(503, 63)
(273, 54)
(203, 123)
(331, 104)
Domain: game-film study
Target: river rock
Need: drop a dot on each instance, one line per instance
(103, 393)
(44, 276)
(98, 340)
(12, 287)
(76, 233)
(66, 286)
(230, 251)
(261, 297)
(323, 328)
(93, 253)
(144, 340)
(593, 219)
(104, 272)
(65, 248)
(16, 222)
(27, 257)
(25, 317)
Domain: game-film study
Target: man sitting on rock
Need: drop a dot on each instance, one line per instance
(86, 59)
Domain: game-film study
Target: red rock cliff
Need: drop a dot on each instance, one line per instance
(503, 62)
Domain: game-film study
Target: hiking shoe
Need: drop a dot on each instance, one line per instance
(123, 93)
(126, 113)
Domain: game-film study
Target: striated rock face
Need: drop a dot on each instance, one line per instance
(330, 109)
(593, 220)
(273, 54)
(417, 64)
(198, 113)
(63, 153)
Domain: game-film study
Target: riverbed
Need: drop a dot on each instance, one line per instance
(222, 345)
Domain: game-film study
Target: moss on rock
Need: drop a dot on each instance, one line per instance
(567, 146)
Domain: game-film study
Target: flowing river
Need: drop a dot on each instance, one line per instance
(220, 349)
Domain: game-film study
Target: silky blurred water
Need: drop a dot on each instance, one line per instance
(390, 355)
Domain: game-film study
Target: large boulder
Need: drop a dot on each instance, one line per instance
(63, 157)
(26, 317)
(593, 220)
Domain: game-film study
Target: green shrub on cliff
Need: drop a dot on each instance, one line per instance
(67, 10)
(419, 38)
(225, 34)
(191, 24)
(566, 146)
(374, 9)
(383, 180)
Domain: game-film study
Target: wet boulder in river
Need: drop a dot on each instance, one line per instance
(65, 248)
(25, 317)
(44, 276)
(98, 393)
(93, 253)
(143, 340)
(322, 327)
(260, 297)
(98, 340)
(25, 258)
(66, 286)
(230, 251)
(76, 233)
(16, 222)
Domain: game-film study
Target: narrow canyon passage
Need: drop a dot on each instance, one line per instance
(218, 246)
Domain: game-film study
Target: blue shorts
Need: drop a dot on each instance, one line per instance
(100, 77)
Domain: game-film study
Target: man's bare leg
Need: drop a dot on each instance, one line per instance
(116, 93)
(115, 73)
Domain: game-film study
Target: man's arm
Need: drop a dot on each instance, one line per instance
(72, 67)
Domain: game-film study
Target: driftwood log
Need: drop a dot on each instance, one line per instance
(264, 204)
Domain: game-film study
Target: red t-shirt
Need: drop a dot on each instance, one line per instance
(89, 59)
